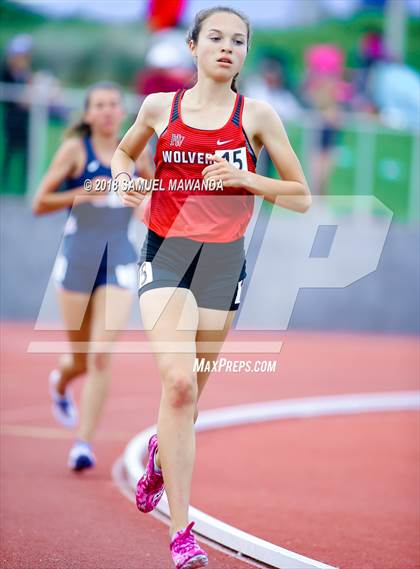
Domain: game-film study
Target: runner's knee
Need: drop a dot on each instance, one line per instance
(99, 362)
(179, 388)
(75, 366)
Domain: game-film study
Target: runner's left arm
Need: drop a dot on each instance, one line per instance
(292, 191)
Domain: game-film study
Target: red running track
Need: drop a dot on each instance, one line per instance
(342, 490)
(336, 489)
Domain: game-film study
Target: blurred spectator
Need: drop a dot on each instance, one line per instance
(270, 85)
(371, 47)
(325, 91)
(168, 64)
(17, 71)
(46, 83)
(395, 90)
(371, 50)
(385, 85)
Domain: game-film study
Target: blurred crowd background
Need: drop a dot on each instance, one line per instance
(342, 74)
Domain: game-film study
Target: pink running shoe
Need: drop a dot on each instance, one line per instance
(150, 486)
(186, 553)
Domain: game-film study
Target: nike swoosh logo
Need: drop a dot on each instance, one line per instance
(220, 142)
(92, 166)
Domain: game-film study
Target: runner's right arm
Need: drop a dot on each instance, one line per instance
(130, 147)
(63, 165)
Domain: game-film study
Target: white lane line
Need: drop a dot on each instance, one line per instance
(38, 412)
(39, 432)
(229, 536)
(134, 347)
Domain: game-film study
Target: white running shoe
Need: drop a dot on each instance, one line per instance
(81, 456)
(63, 407)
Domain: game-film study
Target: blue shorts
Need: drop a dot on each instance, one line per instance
(214, 272)
(329, 137)
(78, 278)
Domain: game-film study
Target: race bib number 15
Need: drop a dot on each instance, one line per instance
(237, 157)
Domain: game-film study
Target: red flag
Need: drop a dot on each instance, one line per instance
(164, 14)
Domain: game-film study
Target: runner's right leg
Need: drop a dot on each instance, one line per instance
(161, 311)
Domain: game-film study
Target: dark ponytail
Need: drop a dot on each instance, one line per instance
(80, 128)
(201, 16)
(233, 85)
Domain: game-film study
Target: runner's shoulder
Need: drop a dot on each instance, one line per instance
(157, 103)
(72, 148)
(258, 109)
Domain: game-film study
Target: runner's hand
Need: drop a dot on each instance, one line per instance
(95, 189)
(130, 192)
(223, 170)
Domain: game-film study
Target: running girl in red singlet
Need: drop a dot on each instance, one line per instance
(192, 263)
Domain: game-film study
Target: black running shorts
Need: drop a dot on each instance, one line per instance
(214, 272)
